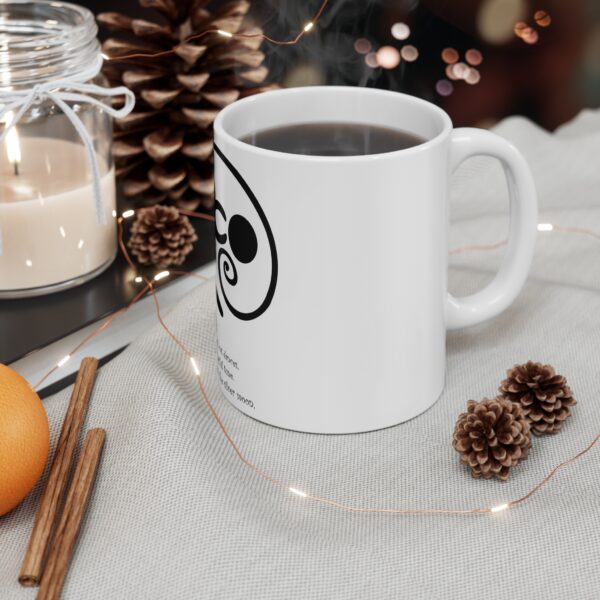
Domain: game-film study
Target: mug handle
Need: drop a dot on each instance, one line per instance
(500, 293)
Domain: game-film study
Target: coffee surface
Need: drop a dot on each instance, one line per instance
(333, 139)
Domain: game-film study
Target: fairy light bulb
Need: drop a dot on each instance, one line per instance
(195, 365)
(298, 492)
(499, 508)
(63, 361)
(545, 227)
(161, 275)
(128, 213)
(309, 26)
(224, 33)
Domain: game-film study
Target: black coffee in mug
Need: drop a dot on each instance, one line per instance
(333, 139)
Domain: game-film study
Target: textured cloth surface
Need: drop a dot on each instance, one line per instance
(174, 514)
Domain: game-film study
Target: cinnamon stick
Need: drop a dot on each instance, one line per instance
(70, 522)
(58, 477)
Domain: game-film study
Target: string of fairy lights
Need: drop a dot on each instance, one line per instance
(400, 31)
(228, 34)
(150, 288)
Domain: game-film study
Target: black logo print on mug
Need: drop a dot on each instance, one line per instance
(243, 243)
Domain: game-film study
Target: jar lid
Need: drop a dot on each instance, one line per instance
(42, 40)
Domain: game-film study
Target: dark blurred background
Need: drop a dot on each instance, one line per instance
(481, 60)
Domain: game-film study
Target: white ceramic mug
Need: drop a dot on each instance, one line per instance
(331, 286)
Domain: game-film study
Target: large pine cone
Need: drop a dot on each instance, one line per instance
(542, 393)
(163, 150)
(491, 437)
(160, 236)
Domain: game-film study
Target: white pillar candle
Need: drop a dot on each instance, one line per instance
(48, 216)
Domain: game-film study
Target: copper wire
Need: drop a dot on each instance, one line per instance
(137, 297)
(228, 34)
(551, 474)
(95, 332)
(495, 246)
(477, 247)
(581, 230)
(197, 215)
(271, 479)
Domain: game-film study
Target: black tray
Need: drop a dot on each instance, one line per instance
(32, 323)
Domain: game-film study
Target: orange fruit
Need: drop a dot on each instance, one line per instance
(24, 438)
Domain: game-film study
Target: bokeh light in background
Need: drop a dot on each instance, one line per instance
(456, 69)
(472, 76)
(450, 55)
(542, 18)
(449, 72)
(362, 46)
(444, 87)
(371, 60)
(459, 70)
(473, 57)
(520, 27)
(530, 36)
(496, 19)
(400, 31)
(409, 53)
(388, 57)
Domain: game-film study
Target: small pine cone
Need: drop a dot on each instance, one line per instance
(491, 437)
(544, 395)
(160, 236)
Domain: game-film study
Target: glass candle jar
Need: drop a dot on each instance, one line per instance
(57, 178)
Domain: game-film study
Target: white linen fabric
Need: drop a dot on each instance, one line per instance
(174, 513)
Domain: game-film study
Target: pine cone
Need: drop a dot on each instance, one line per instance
(163, 150)
(491, 437)
(544, 396)
(160, 236)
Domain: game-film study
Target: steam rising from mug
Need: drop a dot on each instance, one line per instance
(327, 54)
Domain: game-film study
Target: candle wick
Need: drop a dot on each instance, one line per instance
(16, 167)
